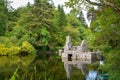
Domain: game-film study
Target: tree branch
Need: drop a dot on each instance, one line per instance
(94, 3)
(110, 4)
(105, 3)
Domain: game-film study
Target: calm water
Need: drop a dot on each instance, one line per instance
(42, 67)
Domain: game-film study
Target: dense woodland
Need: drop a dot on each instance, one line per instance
(41, 27)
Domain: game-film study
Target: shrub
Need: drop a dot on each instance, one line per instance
(13, 50)
(27, 47)
(3, 51)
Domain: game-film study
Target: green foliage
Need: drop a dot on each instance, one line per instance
(9, 51)
(104, 33)
(45, 36)
(34, 23)
(76, 74)
(14, 74)
(107, 28)
(74, 33)
(15, 50)
(6, 41)
(42, 25)
(62, 21)
(3, 50)
(93, 66)
(102, 69)
(3, 18)
(27, 47)
(112, 64)
(39, 27)
(73, 20)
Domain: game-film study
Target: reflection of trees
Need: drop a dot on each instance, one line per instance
(7, 63)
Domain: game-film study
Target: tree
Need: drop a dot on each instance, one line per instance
(112, 64)
(3, 17)
(88, 3)
(62, 21)
(106, 28)
(34, 23)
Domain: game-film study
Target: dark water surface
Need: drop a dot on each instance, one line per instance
(41, 67)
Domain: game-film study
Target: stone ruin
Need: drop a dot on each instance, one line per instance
(76, 56)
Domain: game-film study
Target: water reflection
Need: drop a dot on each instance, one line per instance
(69, 66)
(8, 65)
(92, 75)
(41, 67)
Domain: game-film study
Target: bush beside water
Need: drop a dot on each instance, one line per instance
(16, 50)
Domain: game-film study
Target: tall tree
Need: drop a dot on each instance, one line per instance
(35, 23)
(3, 17)
(62, 21)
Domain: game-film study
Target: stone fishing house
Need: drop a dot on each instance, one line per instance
(76, 53)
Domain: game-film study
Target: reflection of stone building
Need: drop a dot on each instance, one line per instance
(76, 56)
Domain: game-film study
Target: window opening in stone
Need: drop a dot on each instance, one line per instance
(69, 57)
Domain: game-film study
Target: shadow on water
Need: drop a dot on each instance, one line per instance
(41, 67)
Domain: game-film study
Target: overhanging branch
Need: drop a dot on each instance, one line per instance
(105, 3)
(94, 3)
